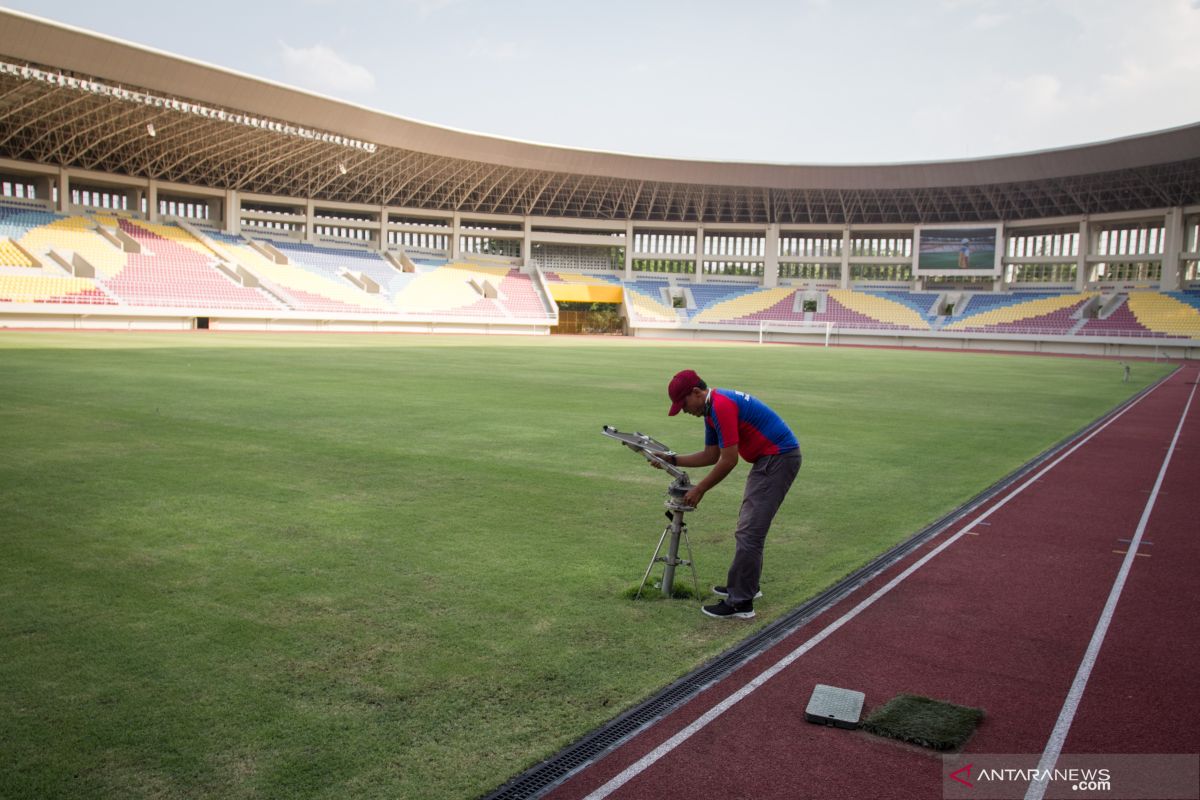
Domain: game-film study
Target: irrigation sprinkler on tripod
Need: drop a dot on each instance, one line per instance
(651, 450)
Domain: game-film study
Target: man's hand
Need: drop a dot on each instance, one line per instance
(693, 496)
(655, 464)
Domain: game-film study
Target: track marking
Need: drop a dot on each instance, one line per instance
(648, 760)
(1139, 555)
(1058, 737)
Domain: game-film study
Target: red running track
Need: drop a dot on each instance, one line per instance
(997, 612)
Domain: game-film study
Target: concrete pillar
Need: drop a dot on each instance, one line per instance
(310, 217)
(1002, 283)
(1172, 247)
(771, 265)
(455, 226)
(629, 250)
(43, 187)
(63, 205)
(383, 231)
(151, 192)
(699, 262)
(527, 242)
(1085, 249)
(215, 215)
(233, 213)
(845, 282)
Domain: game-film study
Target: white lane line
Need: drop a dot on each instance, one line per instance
(1058, 737)
(641, 765)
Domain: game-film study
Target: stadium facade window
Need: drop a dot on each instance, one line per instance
(881, 272)
(183, 208)
(1141, 271)
(99, 198)
(881, 245)
(423, 241)
(487, 245)
(809, 271)
(667, 265)
(1038, 244)
(733, 244)
(1191, 235)
(426, 222)
(273, 225)
(337, 232)
(1041, 273)
(810, 245)
(664, 243)
(17, 188)
(1130, 239)
(475, 225)
(735, 268)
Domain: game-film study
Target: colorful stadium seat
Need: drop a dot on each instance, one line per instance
(1046, 314)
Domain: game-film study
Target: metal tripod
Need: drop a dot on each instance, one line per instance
(656, 452)
(677, 528)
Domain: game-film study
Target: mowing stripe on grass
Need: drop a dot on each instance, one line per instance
(544, 777)
(1058, 737)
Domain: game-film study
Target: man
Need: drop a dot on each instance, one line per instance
(737, 424)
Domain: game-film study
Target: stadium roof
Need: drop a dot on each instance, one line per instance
(73, 98)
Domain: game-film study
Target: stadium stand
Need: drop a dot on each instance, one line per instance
(330, 261)
(920, 302)
(979, 303)
(859, 309)
(77, 234)
(11, 256)
(459, 289)
(51, 289)
(307, 288)
(519, 296)
(752, 306)
(18, 220)
(1050, 314)
(645, 301)
(569, 236)
(1168, 313)
(1121, 321)
(709, 298)
(174, 270)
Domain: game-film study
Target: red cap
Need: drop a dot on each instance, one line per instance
(679, 388)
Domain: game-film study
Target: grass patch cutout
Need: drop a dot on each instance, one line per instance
(923, 721)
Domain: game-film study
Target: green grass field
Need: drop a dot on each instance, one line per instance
(325, 566)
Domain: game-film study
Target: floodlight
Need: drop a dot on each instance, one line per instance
(150, 130)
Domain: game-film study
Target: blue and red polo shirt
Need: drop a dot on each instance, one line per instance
(736, 418)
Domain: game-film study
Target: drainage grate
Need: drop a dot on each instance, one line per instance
(540, 779)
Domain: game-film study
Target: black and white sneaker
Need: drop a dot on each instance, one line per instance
(723, 591)
(723, 610)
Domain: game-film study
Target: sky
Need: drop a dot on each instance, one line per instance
(795, 82)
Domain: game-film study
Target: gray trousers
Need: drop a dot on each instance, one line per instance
(767, 485)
